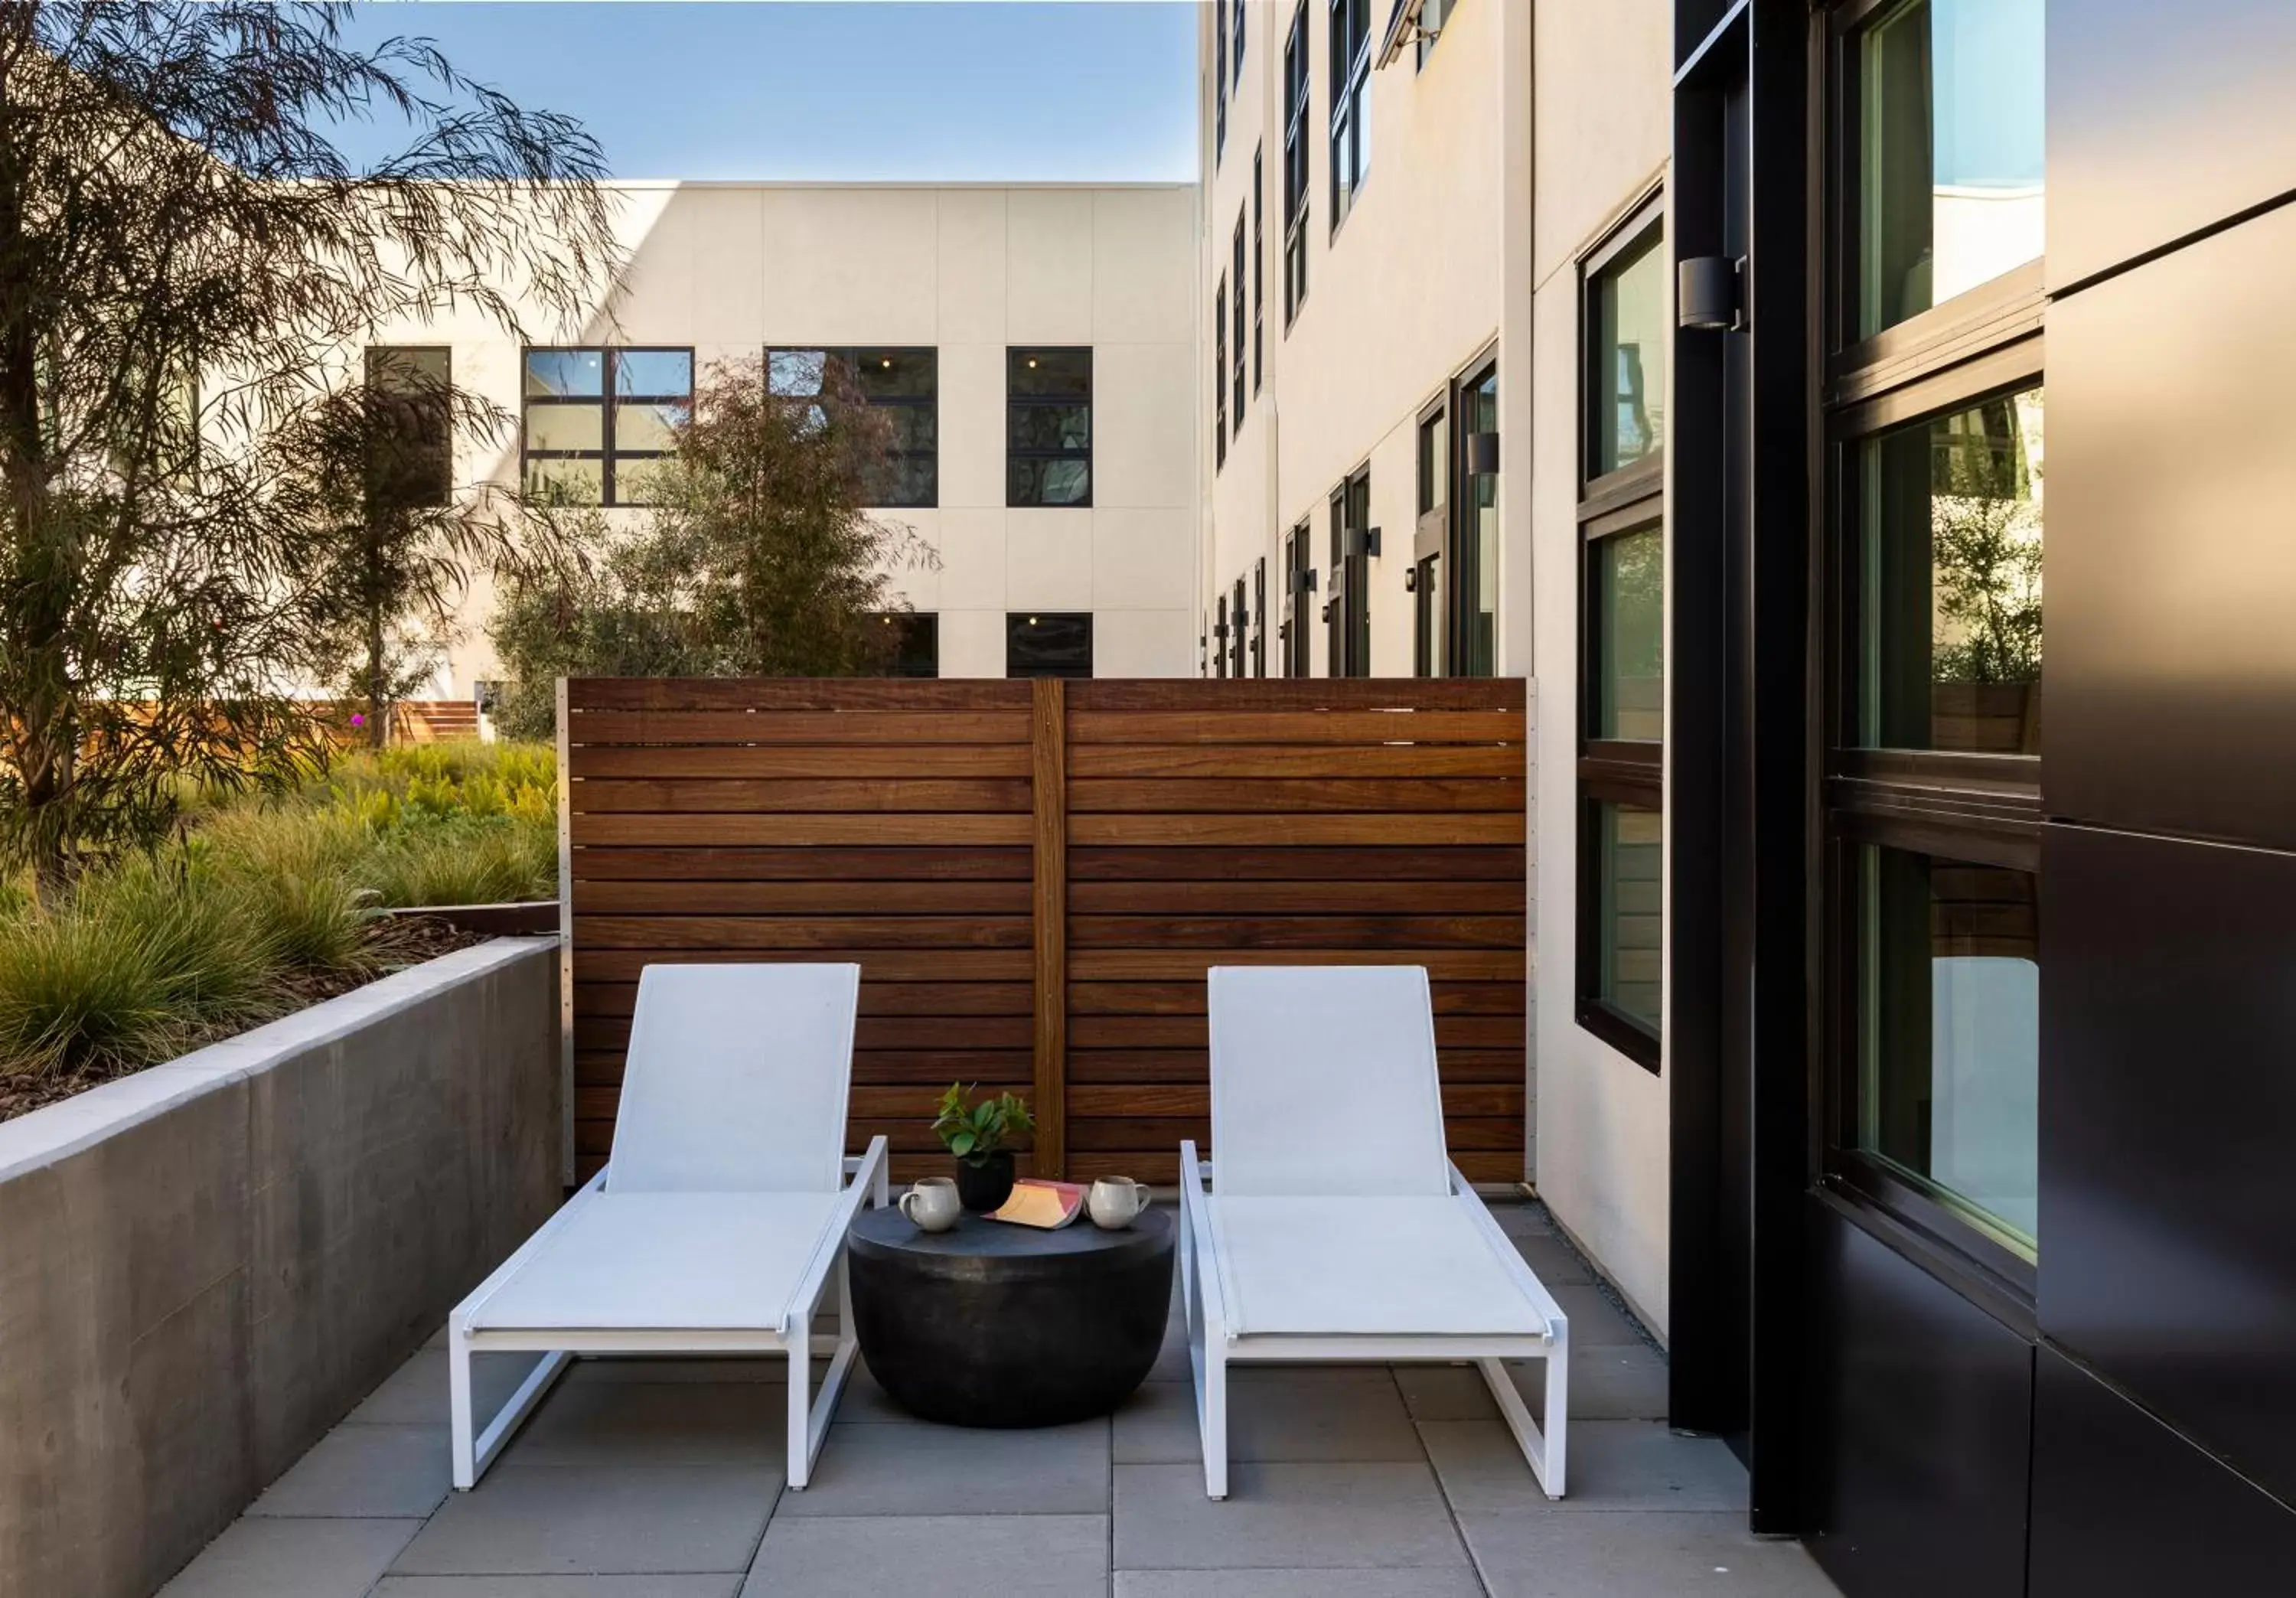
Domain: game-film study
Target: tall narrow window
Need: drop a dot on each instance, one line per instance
(1258, 260)
(1259, 617)
(1219, 374)
(1949, 171)
(1622, 640)
(1475, 544)
(1219, 89)
(1428, 658)
(914, 650)
(597, 422)
(902, 385)
(1350, 103)
(411, 445)
(1295, 165)
(1040, 644)
(1347, 611)
(1235, 46)
(1299, 583)
(1432, 15)
(1219, 638)
(1048, 427)
(1239, 618)
(1237, 336)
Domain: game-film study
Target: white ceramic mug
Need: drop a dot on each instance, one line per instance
(932, 1205)
(1115, 1202)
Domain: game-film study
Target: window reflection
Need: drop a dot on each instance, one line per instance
(1630, 601)
(1629, 841)
(1629, 354)
(1950, 603)
(1951, 136)
(1950, 1033)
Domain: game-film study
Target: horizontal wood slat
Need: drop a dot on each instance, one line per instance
(933, 831)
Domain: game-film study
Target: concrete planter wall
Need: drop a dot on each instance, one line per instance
(205, 1265)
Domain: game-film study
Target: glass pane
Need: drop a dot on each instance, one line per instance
(1434, 461)
(1051, 427)
(398, 370)
(907, 482)
(565, 427)
(1630, 342)
(913, 644)
(1949, 1032)
(1477, 574)
(1950, 590)
(915, 427)
(1041, 645)
(1039, 482)
(1049, 373)
(647, 426)
(653, 372)
(896, 373)
(637, 481)
(1629, 580)
(795, 372)
(1628, 844)
(567, 482)
(1951, 141)
(568, 373)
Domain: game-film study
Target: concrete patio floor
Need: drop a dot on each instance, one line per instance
(663, 1479)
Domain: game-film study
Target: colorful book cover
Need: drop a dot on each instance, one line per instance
(1049, 1205)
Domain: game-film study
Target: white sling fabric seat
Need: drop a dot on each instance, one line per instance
(1334, 1225)
(721, 1217)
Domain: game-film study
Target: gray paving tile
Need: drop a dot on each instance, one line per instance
(1551, 1259)
(1625, 1381)
(1521, 1218)
(950, 1556)
(415, 1394)
(1595, 1321)
(1637, 1554)
(1442, 1583)
(1308, 1414)
(557, 1586)
(1282, 1516)
(606, 1519)
(658, 1423)
(366, 1472)
(292, 1559)
(916, 1468)
(1613, 1464)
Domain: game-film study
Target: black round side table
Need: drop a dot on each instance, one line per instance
(994, 1324)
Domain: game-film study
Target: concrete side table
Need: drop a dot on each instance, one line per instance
(994, 1324)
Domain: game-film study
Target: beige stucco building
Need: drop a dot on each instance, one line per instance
(950, 286)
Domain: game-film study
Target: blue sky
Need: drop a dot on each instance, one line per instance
(942, 89)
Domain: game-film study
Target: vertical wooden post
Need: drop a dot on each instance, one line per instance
(1048, 750)
(565, 939)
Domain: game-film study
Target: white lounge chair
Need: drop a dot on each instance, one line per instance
(718, 1220)
(1335, 1226)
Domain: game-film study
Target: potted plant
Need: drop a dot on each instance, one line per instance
(977, 1137)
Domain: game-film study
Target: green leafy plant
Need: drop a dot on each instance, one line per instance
(976, 1133)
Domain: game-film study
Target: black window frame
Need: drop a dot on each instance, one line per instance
(608, 401)
(1351, 36)
(1985, 810)
(1432, 468)
(1465, 655)
(1219, 88)
(1346, 608)
(1239, 622)
(1014, 620)
(914, 625)
(1298, 96)
(1016, 452)
(1259, 261)
(1298, 583)
(1235, 45)
(1259, 617)
(1219, 374)
(1220, 636)
(1610, 771)
(854, 358)
(434, 397)
(1236, 339)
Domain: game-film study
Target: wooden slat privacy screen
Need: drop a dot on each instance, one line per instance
(1035, 878)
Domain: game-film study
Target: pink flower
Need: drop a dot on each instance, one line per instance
(358, 720)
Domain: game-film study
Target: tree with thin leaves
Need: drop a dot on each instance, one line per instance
(185, 254)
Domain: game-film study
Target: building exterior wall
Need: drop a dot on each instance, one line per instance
(729, 268)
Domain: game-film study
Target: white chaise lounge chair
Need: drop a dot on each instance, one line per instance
(1335, 1226)
(717, 1223)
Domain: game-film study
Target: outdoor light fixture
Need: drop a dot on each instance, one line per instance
(1360, 541)
(1708, 293)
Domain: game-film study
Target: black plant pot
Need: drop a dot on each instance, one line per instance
(985, 1183)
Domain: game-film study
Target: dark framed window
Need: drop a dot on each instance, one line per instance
(1473, 622)
(1350, 34)
(1932, 586)
(1239, 622)
(410, 445)
(1298, 583)
(1429, 541)
(902, 384)
(1236, 339)
(1219, 88)
(1347, 611)
(1624, 335)
(1219, 638)
(1259, 617)
(1259, 261)
(596, 420)
(1219, 374)
(1048, 427)
(917, 644)
(1044, 645)
(1235, 46)
(1295, 165)
(1432, 15)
